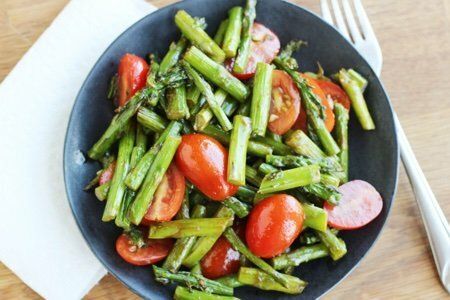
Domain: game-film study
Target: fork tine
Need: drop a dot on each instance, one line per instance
(363, 19)
(326, 12)
(354, 30)
(339, 19)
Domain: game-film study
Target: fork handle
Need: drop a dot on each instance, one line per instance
(436, 225)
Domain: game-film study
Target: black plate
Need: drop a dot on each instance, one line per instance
(373, 155)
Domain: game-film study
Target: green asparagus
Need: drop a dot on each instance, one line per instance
(237, 154)
(262, 89)
(232, 36)
(244, 47)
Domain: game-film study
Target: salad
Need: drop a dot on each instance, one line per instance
(225, 165)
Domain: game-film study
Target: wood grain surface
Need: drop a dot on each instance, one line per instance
(415, 39)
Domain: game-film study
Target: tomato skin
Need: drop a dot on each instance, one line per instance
(335, 92)
(132, 76)
(107, 174)
(168, 197)
(264, 46)
(285, 103)
(203, 161)
(273, 225)
(360, 204)
(153, 252)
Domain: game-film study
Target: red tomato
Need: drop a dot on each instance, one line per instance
(168, 197)
(334, 91)
(301, 122)
(203, 161)
(285, 104)
(151, 252)
(273, 225)
(222, 259)
(107, 174)
(132, 76)
(359, 205)
(264, 46)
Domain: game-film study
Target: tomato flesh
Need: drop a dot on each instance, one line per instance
(335, 92)
(264, 46)
(152, 252)
(168, 197)
(132, 77)
(359, 205)
(203, 161)
(107, 174)
(273, 225)
(285, 103)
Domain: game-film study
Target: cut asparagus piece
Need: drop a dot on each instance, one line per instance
(267, 169)
(289, 179)
(341, 133)
(230, 280)
(193, 96)
(192, 280)
(151, 120)
(173, 55)
(101, 192)
(303, 145)
(262, 90)
(232, 36)
(252, 176)
(220, 34)
(205, 115)
(193, 32)
(264, 281)
(237, 154)
(117, 188)
(326, 192)
(154, 176)
(135, 178)
(336, 246)
(206, 90)
(278, 148)
(217, 74)
(315, 217)
(177, 106)
(245, 194)
(182, 293)
(230, 106)
(355, 93)
(299, 256)
(244, 47)
(192, 227)
(240, 209)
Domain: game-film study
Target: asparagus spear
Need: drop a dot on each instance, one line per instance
(220, 34)
(315, 217)
(232, 36)
(177, 107)
(154, 176)
(336, 246)
(192, 280)
(205, 115)
(299, 256)
(244, 47)
(117, 188)
(192, 96)
(341, 132)
(196, 269)
(122, 218)
(112, 89)
(184, 245)
(230, 280)
(274, 136)
(289, 179)
(358, 78)
(198, 36)
(101, 192)
(182, 293)
(205, 243)
(303, 145)
(246, 194)
(312, 104)
(217, 74)
(262, 280)
(267, 169)
(140, 147)
(151, 120)
(237, 155)
(278, 148)
(183, 228)
(262, 89)
(206, 90)
(308, 237)
(330, 180)
(229, 106)
(252, 176)
(254, 148)
(240, 209)
(135, 178)
(173, 55)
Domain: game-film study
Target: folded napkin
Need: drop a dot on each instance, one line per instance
(40, 240)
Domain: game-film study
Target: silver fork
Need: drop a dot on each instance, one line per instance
(365, 41)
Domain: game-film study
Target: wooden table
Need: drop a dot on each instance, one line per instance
(415, 38)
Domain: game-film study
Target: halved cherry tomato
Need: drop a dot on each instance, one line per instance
(264, 47)
(168, 197)
(222, 259)
(132, 76)
(273, 225)
(301, 122)
(359, 205)
(334, 91)
(203, 161)
(285, 103)
(107, 174)
(149, 253)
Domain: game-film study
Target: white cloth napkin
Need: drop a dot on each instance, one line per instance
(40, 241)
